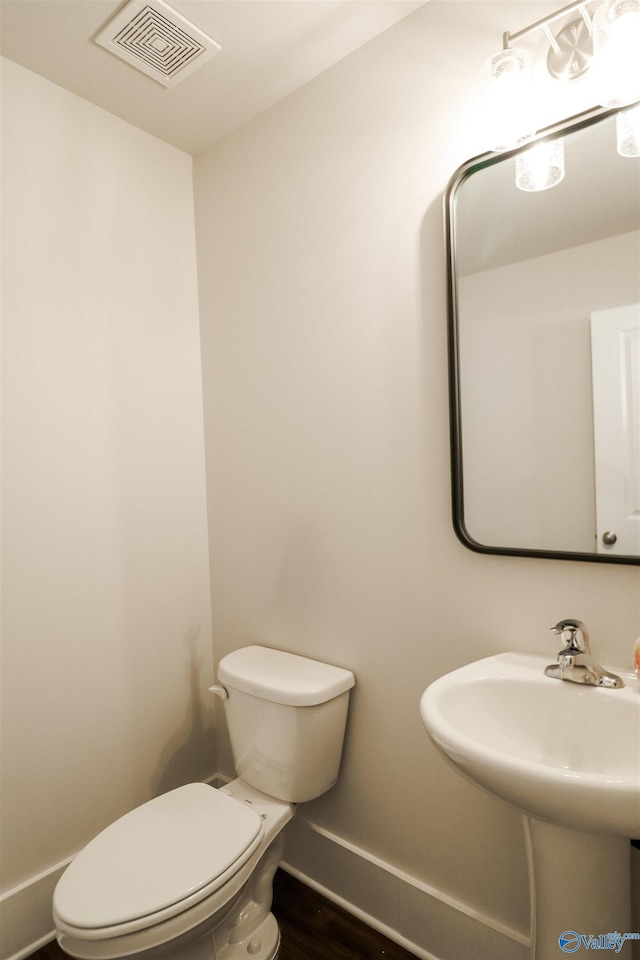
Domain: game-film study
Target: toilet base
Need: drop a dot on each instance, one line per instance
(261, 945)
(253, 933)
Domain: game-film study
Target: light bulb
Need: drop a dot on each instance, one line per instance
(616, 48)
(540, 166)
(507, 85)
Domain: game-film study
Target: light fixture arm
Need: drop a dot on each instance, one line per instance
(553, 43)
(509, 38)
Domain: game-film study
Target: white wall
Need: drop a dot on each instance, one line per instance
(322, 292)
(106, 607)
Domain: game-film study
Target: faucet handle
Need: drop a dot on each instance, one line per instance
(573, 634)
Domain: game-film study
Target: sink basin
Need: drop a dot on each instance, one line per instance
(561, 752)
(568, 757)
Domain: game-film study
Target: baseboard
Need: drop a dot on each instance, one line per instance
(420, 918)
(25, 914)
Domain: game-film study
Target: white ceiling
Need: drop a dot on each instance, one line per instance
(269, 48)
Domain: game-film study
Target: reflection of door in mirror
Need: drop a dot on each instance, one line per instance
(615, 352)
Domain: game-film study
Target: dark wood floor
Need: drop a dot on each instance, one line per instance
(311, 927)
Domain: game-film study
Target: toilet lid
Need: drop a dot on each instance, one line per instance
(160, 854)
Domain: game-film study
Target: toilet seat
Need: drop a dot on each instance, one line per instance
(156, 862)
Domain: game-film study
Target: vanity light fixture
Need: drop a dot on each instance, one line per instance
(507, 76)
(609, 42)
(507, 79)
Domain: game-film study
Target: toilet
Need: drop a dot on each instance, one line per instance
(189, 875)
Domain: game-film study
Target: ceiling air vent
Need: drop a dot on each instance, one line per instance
(155, 38)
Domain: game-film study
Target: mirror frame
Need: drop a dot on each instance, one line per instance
(570, 125)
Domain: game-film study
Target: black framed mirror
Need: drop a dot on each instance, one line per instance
(544, 352)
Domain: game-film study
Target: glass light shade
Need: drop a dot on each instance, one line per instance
(628, 132)
(507, 80)
(616, 50)
(540, 166)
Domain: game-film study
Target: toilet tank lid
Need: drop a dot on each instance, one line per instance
(283, 677)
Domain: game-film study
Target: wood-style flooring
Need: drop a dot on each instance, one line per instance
(311, 928)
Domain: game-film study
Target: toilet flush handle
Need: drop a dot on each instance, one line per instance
(219, 692)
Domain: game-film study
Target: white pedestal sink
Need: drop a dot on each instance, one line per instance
(568, 757)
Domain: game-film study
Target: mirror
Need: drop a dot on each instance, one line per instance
(544, 352)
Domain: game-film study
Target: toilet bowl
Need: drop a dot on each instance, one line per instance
(188, 875)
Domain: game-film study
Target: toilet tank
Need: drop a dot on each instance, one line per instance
(286, 716)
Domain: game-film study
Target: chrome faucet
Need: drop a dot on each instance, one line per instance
(575, 662)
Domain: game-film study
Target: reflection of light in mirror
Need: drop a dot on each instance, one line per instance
(616, 38)
(541, 166)
(628, 132)
(507, 85)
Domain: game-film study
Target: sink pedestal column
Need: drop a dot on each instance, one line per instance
(579, 883)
